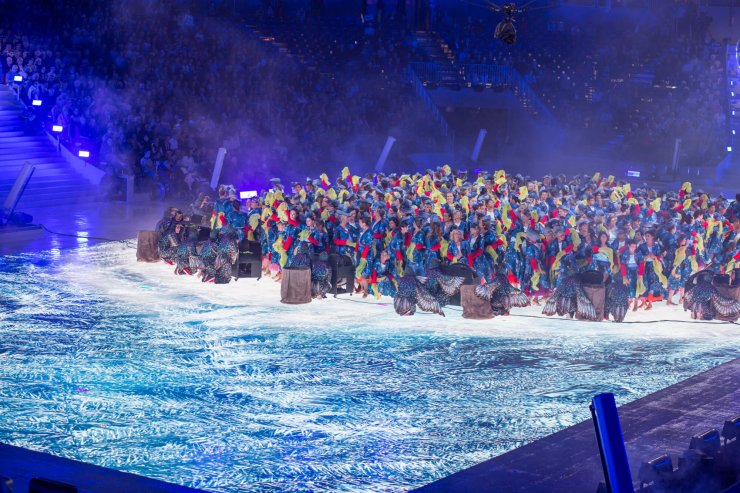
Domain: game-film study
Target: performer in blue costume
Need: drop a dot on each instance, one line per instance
(364, 256)
(652, 255)
(630, 262)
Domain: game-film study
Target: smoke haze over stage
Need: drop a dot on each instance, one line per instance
(367, 246)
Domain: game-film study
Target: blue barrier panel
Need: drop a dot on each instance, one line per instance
(611, 444)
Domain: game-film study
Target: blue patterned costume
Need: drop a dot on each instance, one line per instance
(534, 261)
(630, 265)
(385, 273)
(477, 258)
(365, 251)
(650, 278)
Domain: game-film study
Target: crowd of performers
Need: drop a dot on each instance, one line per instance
(524, 238)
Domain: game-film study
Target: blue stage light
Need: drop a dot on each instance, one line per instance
(707, 442)
(731, 429)
(655, 470)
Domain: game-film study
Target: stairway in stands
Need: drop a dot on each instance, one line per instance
(54, 182)
(727, 174)
(440, 53)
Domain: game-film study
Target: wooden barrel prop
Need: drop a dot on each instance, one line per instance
(295, 288)
(341, 268)
(146, 246)
(593, 284)
(474, 307)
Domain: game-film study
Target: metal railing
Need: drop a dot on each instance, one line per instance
(732, 115)
(427, 71)
(731, 75)
(422, 92)
(484, 74)
(477, 74)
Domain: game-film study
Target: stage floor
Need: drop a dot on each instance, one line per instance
(223, 388)
(82, 224)
(569, 461)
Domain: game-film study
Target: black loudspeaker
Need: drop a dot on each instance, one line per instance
(6, 485)
(40, 485)
(341, 268)
(250, 260)
(20, 219)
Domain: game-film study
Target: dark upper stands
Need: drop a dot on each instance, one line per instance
(158, 93)
(663, 79)
(294, 91)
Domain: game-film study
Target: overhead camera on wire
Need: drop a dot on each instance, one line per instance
(505, 30)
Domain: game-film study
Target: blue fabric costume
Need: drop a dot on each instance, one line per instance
(652, 283)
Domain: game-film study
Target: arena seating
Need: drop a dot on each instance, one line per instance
(612, 99)
(168, 141)
(629, 99)
(324, 42)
